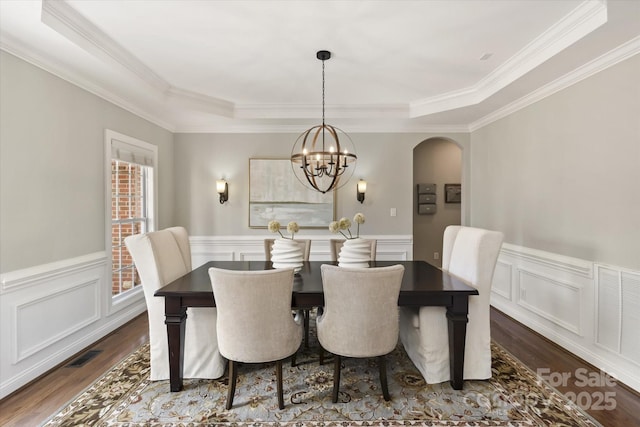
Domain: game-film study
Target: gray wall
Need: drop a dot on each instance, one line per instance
(52, 166)
(385, 161)
(563, 175)
(436, 161)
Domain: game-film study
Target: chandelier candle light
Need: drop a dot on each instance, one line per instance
(323, 157)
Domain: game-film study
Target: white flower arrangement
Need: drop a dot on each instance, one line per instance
(345, 224)
(292, 227)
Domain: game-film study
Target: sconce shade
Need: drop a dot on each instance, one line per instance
(223, 190)
(361, 188)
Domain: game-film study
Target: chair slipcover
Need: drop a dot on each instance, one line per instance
(336, 244)
(161, 257)
(360, 316)
(471, 254)
(255, 324)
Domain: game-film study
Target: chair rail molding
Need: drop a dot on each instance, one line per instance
(33, 275)
(557, 261)
(586, 307)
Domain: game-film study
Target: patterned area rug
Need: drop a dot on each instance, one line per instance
(514, 396)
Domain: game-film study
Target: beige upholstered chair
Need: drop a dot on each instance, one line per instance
(336, 244)
(254, 320)
(471, 254)
(305, 244)
(161, 257)
(360, 316)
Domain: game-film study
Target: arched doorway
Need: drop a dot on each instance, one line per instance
(435, 161)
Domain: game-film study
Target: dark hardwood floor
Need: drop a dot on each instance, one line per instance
(610, 403)
(35, 402)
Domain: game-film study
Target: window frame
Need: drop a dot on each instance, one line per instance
(150, 152)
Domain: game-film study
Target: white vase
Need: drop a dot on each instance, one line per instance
(355, 253)
(286, 253)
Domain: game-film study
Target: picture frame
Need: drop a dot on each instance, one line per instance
(276, 194)
(452, 193)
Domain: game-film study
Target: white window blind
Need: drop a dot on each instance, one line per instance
(130, 153)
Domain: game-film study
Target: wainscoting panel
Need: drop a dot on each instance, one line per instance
(608, 309)
(48, 313)
(44, 321)
(618, 311)
(251, 248)
(590, 309)
(562, 310)
(502, 280)
(630, 317)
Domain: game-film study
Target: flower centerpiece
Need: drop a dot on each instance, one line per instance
(355, 252)
(345, 224)
(292, 227)
(286, 252)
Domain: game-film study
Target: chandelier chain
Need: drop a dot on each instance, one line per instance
(323, 92)
(323, 147)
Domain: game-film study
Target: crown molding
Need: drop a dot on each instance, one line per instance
(609, 59)
(383, 118)
(61, 17)
(362, 126)
(64, 19)
(581, 21)
(366, 123)
(307, 111)
(201, 102)
(50, 64)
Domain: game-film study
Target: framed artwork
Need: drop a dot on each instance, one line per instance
(452, 193)
(276, 194)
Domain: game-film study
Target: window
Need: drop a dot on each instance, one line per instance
(131, 202)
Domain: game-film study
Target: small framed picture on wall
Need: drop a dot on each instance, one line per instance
(452, 193)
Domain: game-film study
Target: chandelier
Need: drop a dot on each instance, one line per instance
(323, 157)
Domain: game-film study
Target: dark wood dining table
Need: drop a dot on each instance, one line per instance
(422, 285)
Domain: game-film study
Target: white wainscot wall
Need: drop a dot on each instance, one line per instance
(592, 310)
(48, 313)
(251, 248)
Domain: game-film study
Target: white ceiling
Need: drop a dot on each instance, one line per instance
(230, 66)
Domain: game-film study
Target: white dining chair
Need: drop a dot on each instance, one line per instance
(471, 254)
(161, 257)
(305, 245)
(255, 324)
(360, 316)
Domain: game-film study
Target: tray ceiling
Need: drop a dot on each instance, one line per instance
(245, 66)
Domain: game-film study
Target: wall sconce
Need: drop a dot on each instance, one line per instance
(223, 190)
(361, 188)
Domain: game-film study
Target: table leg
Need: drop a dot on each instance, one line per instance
(457, 315)
(175, 319)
